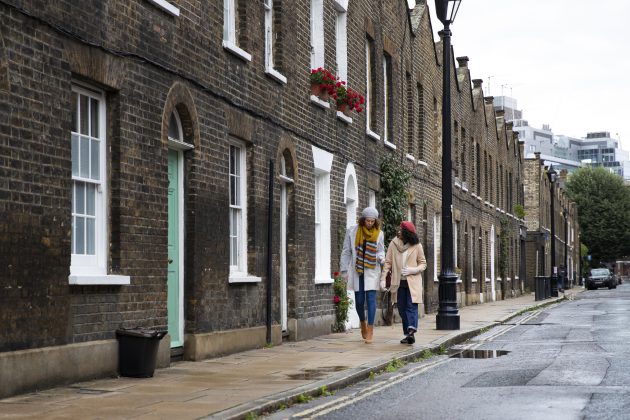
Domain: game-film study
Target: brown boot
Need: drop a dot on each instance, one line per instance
(364, 329)
(370, 334)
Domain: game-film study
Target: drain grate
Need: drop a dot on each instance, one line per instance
(477, 354)
(309, 374)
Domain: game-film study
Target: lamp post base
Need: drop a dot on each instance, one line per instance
(554, 285)
(447, 317)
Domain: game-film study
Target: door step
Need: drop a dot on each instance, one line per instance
(177, 354)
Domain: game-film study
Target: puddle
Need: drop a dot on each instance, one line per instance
(477, 354)
(309, 374)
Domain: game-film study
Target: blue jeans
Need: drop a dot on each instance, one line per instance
(360, 297)
(407, 309)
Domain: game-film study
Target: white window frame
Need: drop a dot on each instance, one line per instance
(436, 244)
(317, 33)
(238, 272)
(455, 242)
(166, 6)
(322, 162)
(386, 105)
(92, 269)
(341, 38)
(368, 98)
(230, 41)
(270, 69)
(372, 199)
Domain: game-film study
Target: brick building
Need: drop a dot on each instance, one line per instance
(137, 144)
(538, 195)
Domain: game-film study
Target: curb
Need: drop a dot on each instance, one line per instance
(358, 374)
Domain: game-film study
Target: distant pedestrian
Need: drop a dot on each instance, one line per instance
(405, 258)
(361, 259)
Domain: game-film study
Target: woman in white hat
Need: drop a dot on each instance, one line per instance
(361, 259)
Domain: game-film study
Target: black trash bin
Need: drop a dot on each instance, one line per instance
(137, 351)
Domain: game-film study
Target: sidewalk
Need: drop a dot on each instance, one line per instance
(255, 380)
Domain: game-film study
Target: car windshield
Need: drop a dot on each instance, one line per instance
(600, 272)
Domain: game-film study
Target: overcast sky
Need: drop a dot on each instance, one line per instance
(566, 62)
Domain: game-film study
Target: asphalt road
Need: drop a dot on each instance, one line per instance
(567, 361)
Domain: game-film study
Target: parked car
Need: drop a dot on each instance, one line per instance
(600, 277)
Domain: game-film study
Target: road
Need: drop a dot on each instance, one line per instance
(566, 361)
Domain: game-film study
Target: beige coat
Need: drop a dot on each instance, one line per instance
(393, 260)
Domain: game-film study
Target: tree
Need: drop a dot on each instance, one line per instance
(394, 181)
(603, 212)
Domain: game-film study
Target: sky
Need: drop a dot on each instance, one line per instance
(566, 62)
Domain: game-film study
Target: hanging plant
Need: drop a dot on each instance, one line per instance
(519, 211)
(394, 181)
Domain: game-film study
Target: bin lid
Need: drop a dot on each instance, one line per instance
(141, 332)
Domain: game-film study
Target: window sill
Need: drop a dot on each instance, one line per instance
(276, 75)
(234, 49)
(464, 188)
(243, 278)
(324, 281)
(166, 6)
(371, 134)
(423, 163)
(410, 157)
(473, 280)
(97, 280)
(319, 102)
(498, 279)
(390, 145)
(343, 117)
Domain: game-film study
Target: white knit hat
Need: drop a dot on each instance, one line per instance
(369, 213)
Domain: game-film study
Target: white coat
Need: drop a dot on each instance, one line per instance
(349, 256)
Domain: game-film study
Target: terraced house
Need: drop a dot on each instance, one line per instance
(163, 163)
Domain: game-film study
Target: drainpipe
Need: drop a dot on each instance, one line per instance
(269, 247)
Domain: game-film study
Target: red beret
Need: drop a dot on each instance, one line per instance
(408, 226)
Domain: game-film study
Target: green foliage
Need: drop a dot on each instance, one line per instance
(372, 375)
(394, 365)
(323, 391)
(442, 350)
(301, 399)
(519, 211)
(342, 303)
(394, 181)
(603, 212)
(251, 416)
(504, 244)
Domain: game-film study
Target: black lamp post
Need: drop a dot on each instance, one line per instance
(552, 175)
(448, 315)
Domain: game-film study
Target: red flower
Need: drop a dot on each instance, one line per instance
(336, 274)
(336, 299)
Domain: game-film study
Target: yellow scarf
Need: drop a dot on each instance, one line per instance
(363, 233)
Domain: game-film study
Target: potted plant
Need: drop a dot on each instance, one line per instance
(322, 83)
(347, 99)
(342, 303)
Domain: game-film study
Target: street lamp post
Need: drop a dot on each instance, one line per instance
(448, 315)
(552, 174)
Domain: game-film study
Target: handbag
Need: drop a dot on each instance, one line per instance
(388, 279)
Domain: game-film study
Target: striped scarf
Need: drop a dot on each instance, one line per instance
(365, 243)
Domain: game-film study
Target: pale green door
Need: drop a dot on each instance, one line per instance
(174, 280)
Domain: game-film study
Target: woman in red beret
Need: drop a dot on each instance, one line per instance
(405, 257)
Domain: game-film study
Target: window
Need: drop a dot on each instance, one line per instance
(317, 33)
(166, 6)
(421, 122)
(437, 263)
(234, 28)
(411, 213)
(370, 91)
(455, 243)
(89, 190)
(273, 40)
(372, 198)
(410, 117)
(388, 111)
(463, 156)
(322, 162)
(238, 214)
(341, 39)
